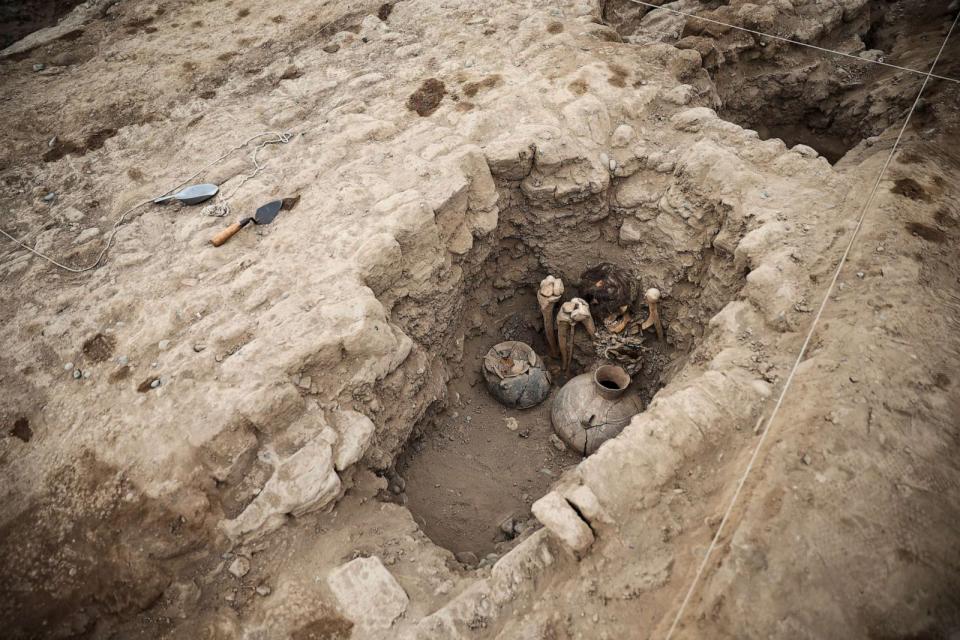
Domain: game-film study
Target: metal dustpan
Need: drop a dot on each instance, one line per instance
(194, 194)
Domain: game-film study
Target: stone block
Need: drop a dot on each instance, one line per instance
(367, 593)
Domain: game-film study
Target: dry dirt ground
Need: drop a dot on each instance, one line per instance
(288, 436)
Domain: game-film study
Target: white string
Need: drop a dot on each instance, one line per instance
(279, 138)
(796, 42)
(806, 342)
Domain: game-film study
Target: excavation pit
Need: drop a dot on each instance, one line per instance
(472, 466)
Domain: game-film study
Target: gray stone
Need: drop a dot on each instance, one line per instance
(163, 345)
(558, 516)
(368, 594)
(239, 567)
(39, 66)
(631, 231)
(155, 383)
(301, 483)
(557, 442)
(87, 235)
(355, 431)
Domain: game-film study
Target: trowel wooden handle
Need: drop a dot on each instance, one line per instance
(226, 234)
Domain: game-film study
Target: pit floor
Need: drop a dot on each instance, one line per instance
(470, 471)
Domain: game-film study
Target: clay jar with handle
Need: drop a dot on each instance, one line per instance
(594, 407)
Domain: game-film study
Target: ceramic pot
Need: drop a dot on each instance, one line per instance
(594, 407)
(515, 375)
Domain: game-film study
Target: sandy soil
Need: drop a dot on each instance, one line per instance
(199, 439)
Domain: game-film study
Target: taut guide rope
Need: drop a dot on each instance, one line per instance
(794, 42)
(806, 342)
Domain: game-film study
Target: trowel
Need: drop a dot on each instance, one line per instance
(264, 215)
(194, 194)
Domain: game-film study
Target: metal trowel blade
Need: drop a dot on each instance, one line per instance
(268, 212)
(194, 194)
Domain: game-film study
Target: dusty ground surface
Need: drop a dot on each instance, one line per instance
(198, 439)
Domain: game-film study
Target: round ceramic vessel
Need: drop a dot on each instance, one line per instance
(515, 375)
(593, 407)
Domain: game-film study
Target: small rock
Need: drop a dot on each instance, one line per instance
(546, 472)
(86, 375)
(239, 567)
(333, 47)
(163, 345)
(39, 66)
(861, 274)
(806, 459)
(507, 526)
(123, 360)
(77, 374)
(368, 594)
(155, 383)
(86, 235)
(305, 382)
(68, 366)
(50, 197)
(466, 557)
(197, 348)
(873, 55)
(512, 424)
(230, 597)
(557, 442)
(263, 590)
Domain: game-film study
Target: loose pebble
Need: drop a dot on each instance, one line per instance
(77, 374)
(164, 345)
(39, 66)
(557, 442)
(155, 383)
(68, 366)
(239, 567)
(263, 590)
(512, 424)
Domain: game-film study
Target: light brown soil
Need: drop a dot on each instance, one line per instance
(352, 328)
(469, 472)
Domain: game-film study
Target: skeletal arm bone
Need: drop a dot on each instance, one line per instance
(652, 297)
(547, 297)
(572, 313)
(580, 313)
